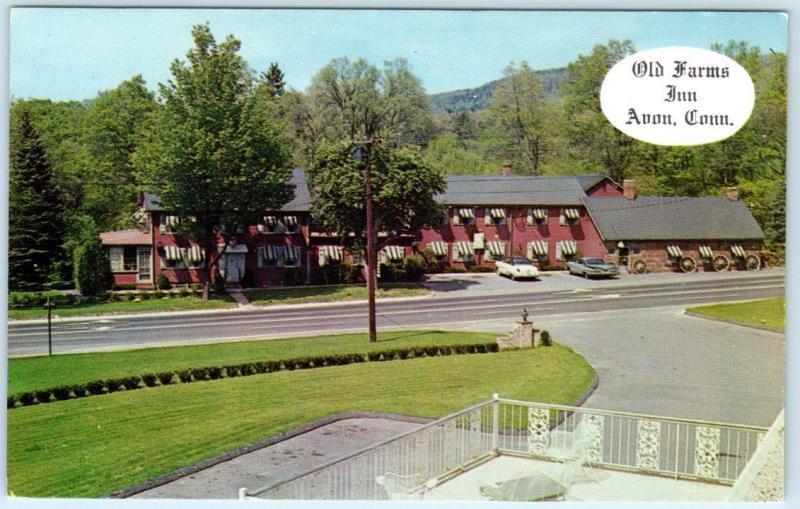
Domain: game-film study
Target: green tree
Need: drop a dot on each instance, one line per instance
(112, 131)
(35, 209)
(92, 269)
(274, 79)
(215, 162)
(517, 120)
(596, 145)
(404, 186)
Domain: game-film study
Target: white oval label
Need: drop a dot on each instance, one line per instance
(677, 96)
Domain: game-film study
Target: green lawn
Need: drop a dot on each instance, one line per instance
(330, 293)
(769, 313)
(93, 446)
(144, 306)
(28, 373)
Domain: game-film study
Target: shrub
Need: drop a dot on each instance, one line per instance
(414, 267)
(545, 338)
(11, 402)
(163, 283)
(131, 382)
(481, 269)
(62, 393)
(432, 265)
(318, 362)
(146, 295)
(455, 270)
(172, 294)
(293, 276)
(125, 286)
(185, 376)
(374, 356)
(43, 395)
(260, 367)
(130, 295)
(184, 292)
(392, 273)
(149, 379)
(158, 294)
(27, 398)
(432, 351)
(200, 374)
(273, 366)
(249, 279)
(247, 369)
(79, 391)
(95, 387)
(231, 371)
(113, 384)
(165, 377)
(219, 283)
(301, 362)
(214, 373)
(91, 267)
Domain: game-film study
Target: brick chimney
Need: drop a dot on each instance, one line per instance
(506, 169)
(629, 189)
(732, 193)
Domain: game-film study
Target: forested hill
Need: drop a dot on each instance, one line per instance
(478, 97)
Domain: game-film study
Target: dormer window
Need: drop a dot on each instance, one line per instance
(464, 216)
(569, 217)
(495, 217)
(168, 223)
(537, 216)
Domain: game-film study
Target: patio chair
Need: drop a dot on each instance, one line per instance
(404, 487)
(554, 485)
(565, 446)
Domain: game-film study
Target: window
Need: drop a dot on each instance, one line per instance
(115, 258)
(464, 216)
(673, 253)
(291, 224)
(566, 249)
(537, 250)
(145, 260)
(637, 250)
(129, 259)
(270, 256)
(612, 250)
(494, 217)
(167, 223)
(439, 250)
(196, 257)
(537, 217)
(291, 256)
(569, 217)
(173, 257)
(496, 250)
(463, 252)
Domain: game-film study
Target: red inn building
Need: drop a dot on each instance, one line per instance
(549, 219)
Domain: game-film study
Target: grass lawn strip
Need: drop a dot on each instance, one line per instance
(91, 447)
(31, 373)
(331, 293)
(770, 313)
(110, 308)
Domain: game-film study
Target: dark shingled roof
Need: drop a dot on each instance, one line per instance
(300, 203)
(589, 181)
(673, 218)
(511, 190)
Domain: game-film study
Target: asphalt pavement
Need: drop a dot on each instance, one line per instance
(454, 308)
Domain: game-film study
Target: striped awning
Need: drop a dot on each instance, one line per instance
(330, 253)
(439, 248)
(292, 253)
(568, 247)
(466, 213)
(706, 252)
(394, 252)
(268, 253)
(290, 220)
(738, 251)
(171, 220)
(196, 254)
(172, 253)
(497, 213)
(464, 248)
(572, 213)
(497, 248)
(538, 247)
(539, 213)
(674, 251)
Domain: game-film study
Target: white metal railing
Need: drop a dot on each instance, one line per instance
(679, 448)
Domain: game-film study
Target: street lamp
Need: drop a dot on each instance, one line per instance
(362, 153)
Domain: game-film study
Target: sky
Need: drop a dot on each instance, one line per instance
(64, 54)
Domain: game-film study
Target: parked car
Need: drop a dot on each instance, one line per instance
(516, 267)
(591, 267)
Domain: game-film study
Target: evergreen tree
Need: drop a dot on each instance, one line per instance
(35, 210)
(274, 77)
(92, 269)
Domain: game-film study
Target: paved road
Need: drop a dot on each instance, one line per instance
(441, 310)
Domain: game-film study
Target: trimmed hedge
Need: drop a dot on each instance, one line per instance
(98, 387)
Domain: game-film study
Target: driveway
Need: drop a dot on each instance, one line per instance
(660, 361)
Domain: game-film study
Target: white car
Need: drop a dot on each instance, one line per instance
(516, 267)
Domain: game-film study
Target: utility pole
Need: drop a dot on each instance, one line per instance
(363, 152)
(49, 328)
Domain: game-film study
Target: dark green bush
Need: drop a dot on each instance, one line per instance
(149, 379)
(260, 367)
(200, 374)
(131, 382)
(130, 296)
(273, 366)
(215, 372)
(301, 362)
(113, 384)
(163, 283)
(62, 393)
(545, 338)
(185, 376)
(165, 377)
(125, 286)
(91, 268)
(95, 387)
(12, 402)
(43, 395)
(246, 369)
(219, 283)
(374, 356)
(184, 292)
(414, 267)
(79, 391)
(231, 371)
(27, 398)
